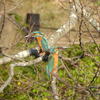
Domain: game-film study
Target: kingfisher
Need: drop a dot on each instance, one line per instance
(42, 41)
(53, 59)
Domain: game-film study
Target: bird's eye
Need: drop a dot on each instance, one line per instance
(60, 48)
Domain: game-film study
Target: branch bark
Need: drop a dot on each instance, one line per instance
(3, 19)
(54, 89)
(64, 29)
(22, 64)
(22, 54)
(88, 16)
(52, 40)
(16, 24)
(70, 24)
(57, 35)
(91, 20)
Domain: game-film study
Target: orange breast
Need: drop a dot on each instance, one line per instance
(39, 42)
(55, 60)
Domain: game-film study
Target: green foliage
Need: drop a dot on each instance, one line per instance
(36, 78)
(33, 81)
(18, 18)
(85, 67)
(19, 44)
(97, 2)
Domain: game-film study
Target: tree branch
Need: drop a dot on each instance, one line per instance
(3, 20)
(22, 54)
(16, 24)
(22, 64)
(9, 79)
(77, 84)
(92, 37)
(64, 29)
(54, 89)
(91, 20)
(18, 56)
(68, 72)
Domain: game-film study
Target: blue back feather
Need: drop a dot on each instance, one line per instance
(44, 42)
(51, 60)
(37, 32)
(50, 64)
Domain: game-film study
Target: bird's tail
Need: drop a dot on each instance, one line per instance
(49, 75)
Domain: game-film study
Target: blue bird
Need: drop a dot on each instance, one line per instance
(53, 60)
(42, 41)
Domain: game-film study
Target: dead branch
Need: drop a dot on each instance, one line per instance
(3, 20)
(17, 56)
(92, 37)
(64, 29)
(16, 24)
(22, 64)
(91, 20)
(82, 89)
(68, 72)
(54, 88)
(88, 16)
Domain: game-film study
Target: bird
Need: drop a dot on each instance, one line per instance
(42, 41)
(53, 59)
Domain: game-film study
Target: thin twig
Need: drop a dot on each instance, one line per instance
(3, 20)
(15, 23)
(82, 89)
(80, 31)
(17, 4)
(92, 37)
(9, 79)
(22, 64)
(68, 72)
(54, 88)
(94, 76)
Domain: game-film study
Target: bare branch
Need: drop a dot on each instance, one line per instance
(68, 72)
(9, 79)
(22, 64)
(80, 31)
(16, 24)
(3, 20)
(17, 4)
(69, 59)
(54, 89)
(22, 54)
(92, 57)
(96, 74)
(19, 56)
(91, 20)
(76, 83)
(64, 29)
(92, 37)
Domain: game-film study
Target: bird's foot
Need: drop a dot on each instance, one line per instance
(42, 53)
(55, 71)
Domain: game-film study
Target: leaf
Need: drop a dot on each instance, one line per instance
(18, 18)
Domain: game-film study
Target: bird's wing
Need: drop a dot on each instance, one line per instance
(50, 64)
(44, 43)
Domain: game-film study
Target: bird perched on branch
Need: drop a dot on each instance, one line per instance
(53, 59)
(42, 41)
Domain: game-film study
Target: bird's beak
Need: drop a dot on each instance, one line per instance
(28, 36)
